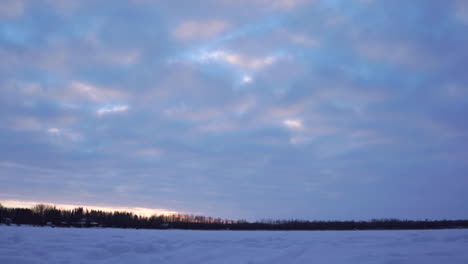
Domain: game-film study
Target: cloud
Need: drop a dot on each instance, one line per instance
(293, 124)
(246, 79)
(256, 90)
(271, 4)
(68, 134)
(239, 60)
(54, 130)
(112, 109)
(81, 90)
(192, 30)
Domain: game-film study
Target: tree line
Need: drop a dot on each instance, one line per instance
(41, 215)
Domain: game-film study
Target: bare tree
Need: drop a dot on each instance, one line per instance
(39, 209)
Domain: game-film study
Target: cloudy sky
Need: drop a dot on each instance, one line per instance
(250, 109)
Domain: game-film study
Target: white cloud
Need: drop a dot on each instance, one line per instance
(293, 124)
(247, 79)
(74, 136)
(112, 109)
(199, 29)
(239, 60)
(85, 89)
(54, 130)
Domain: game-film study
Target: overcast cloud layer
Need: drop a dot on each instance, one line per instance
(237, 108)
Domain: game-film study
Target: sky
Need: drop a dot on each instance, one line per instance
(241, 109)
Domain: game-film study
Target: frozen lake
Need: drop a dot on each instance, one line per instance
(24, 245)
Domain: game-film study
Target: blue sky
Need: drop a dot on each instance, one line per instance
(252, 109)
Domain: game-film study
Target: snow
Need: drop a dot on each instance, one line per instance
(25, 245)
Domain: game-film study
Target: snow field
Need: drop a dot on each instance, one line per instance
(28, 245)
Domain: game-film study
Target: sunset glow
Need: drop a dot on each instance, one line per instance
(136, 210)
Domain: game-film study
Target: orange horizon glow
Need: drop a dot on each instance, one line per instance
(141, 211)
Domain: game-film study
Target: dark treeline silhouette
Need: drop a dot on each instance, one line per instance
(41, 215)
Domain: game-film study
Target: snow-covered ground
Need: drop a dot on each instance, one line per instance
(24, 245)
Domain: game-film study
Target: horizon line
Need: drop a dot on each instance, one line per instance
(148, 212)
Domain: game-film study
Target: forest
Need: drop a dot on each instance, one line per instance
(49, 215)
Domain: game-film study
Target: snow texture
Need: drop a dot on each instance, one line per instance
(27, 245)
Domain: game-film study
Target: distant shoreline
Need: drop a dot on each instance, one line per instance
(48, 215)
